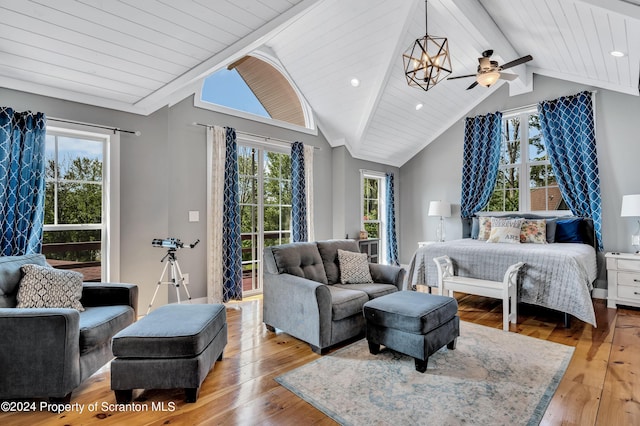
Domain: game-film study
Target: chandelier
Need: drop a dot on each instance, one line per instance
(427, 61)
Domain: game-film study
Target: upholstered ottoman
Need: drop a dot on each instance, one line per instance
(412, 323)
(174, 346)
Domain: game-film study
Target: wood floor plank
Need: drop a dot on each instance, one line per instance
(601, 385)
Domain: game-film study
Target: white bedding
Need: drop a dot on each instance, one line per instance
(557, 276)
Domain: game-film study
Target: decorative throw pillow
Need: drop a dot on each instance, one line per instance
(354, 267)
(484, 228)
(46, 287)
(475, 228)
(534, 231)
(568, 231)
(551, 230)
(505, 230)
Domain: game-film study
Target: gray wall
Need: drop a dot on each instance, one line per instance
(435, 173)
(163, 176)
(346, 191)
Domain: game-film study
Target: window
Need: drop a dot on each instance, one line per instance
(371, 206)
(257, 87)
(372, 212)
(77, 203)
(265, 207)
(526, 182)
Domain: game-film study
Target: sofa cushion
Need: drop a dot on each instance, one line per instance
(300, 259)
(46, 287)
(329, 254)
(411, 311)
(372, 290)
(346, 302)
(354, 267)
(10, 275)
(100, 323)
(171, 331)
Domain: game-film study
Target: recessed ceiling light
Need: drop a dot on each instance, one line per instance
(419, 107)
(617, 53)
(355, 82)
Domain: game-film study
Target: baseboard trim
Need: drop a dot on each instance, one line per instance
(599, 293)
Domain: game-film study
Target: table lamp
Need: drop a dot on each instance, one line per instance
(631, 208)
(442, 209)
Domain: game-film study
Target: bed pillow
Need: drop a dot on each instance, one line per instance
(534, 231)
(475, 228)
(484, 228)
(568, 231)
(551, 230)
(354, 267)
(46, 287)
(505, 230)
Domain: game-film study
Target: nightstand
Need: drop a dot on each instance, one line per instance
(623, 276)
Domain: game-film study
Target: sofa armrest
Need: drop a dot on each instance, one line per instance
(387, 274)
(299, 307)
(39, 352)
(110, 294)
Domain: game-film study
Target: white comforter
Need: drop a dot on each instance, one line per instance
(557, 276)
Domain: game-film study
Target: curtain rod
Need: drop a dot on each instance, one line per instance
(114, 129)
(266, 138)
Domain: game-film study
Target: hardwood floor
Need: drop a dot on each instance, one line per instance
(600, 387)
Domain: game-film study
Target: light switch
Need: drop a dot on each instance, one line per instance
(194, 216)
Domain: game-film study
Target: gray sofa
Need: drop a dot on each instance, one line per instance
(303, 296)
(48, 352)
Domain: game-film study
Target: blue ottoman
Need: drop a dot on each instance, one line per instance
(174, 346)
(415, 324)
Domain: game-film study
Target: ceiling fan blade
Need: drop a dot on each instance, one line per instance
(517, 62)
(475, 83)
(461, 76)
(508, 76)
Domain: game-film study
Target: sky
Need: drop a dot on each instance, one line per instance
(228, 89)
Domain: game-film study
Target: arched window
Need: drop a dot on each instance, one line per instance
(256, 88)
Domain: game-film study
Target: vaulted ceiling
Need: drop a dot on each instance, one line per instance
(140, 55)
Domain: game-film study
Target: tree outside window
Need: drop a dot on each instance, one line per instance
(371, 207)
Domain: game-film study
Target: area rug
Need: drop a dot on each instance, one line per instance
(491, 378)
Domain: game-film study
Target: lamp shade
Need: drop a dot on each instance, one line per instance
(630, 205)
(439, 208)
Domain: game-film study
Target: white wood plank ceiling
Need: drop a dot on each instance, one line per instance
(139, 55)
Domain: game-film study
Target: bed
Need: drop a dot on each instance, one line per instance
(558, 276)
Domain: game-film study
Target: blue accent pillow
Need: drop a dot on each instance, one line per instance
(475, 228)
(568, 231)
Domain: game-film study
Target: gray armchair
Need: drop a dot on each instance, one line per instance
(303, 296)
(48, 352)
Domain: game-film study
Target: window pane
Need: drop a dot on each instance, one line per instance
(538, 199)
(271, 191)
(79, 159)
(75, 250)
(511, 200)
(373, 229)
(79, 203)
(271, 218)
(248, 219)
(286, 218)
(496, 203)
(538, 176)
(248, 190)
(49, 203)
(286, 192)
(372, 210)
(555, 201)
(511, 178)
(247, 161)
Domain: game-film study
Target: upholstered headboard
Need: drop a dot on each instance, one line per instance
(587, 230)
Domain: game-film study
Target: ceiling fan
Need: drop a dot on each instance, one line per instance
(489, 71)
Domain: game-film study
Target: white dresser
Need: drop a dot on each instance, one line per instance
(623, 276)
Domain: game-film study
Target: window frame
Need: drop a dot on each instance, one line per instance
(524, 167)
(310, 128)
(110, 226)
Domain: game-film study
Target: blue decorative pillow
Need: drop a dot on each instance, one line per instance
(475, 228)
(568, 231)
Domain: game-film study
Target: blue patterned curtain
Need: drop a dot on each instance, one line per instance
(22, 140)
(231, 242)
(481, 158)
(390, 211)
(568, 129)
(298, 194)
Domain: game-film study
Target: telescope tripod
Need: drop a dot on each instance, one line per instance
(175, 276)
